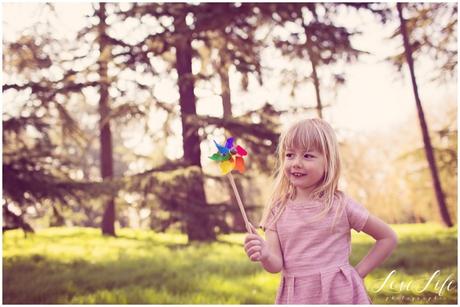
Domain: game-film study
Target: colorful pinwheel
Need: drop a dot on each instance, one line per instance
(230, 157)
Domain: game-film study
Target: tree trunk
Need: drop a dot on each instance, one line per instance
(105, 136)
(423, 125)
(319, 104)
(198, 223)
(314, 65)
(222, 69)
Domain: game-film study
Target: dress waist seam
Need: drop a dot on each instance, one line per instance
(288, 281)
(329, 269)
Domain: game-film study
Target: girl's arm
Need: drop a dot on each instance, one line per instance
(268, 251)
(272, 261)
(386, 242)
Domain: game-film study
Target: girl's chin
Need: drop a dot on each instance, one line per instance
(300, 185)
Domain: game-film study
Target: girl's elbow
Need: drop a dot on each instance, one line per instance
(279, 267)
(276, 269)
(390, 239)
(394, 239)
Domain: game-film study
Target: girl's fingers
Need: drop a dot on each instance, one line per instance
(251, 237)
(252, 243)
(255, 256)
(248, 246)
(250, 251)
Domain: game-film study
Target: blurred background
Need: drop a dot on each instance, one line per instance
(109, 116)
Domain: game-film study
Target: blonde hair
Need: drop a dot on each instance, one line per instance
(309, 134)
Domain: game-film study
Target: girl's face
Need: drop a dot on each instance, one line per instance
(304, 169)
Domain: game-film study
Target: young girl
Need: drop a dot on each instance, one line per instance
(308, 221)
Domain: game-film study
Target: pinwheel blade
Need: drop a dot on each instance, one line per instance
(215, 157)
(240, 150)
(239, 164)
(229, 143)
(218, 157)
(227, 166)
(223, 150)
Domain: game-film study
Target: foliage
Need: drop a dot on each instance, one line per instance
(432, 28)
(313, 37)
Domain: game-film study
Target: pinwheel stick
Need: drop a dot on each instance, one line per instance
(240, 203)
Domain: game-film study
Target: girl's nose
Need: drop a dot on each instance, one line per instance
(296, 163)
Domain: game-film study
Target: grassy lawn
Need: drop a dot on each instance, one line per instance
(79, 266)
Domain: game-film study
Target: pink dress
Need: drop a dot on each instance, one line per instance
(316, 269)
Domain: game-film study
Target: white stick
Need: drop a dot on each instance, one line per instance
(240, 203)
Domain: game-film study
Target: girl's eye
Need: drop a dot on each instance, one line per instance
(289, 155)
(308, 156)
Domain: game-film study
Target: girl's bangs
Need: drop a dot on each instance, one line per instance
(303, 136)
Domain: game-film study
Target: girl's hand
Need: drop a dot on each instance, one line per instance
(256, 248)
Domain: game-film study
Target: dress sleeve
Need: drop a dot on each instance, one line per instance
(270, 224)
(357, 214)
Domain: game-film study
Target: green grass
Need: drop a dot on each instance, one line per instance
(79, 266)
(422, 250)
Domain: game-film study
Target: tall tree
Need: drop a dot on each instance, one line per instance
(113, 55)
(54, 82)
(432, 28)
(105, 136)
(316, 39)
(190, 24)
(423, 124)
(36, 169)
(199, 228)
